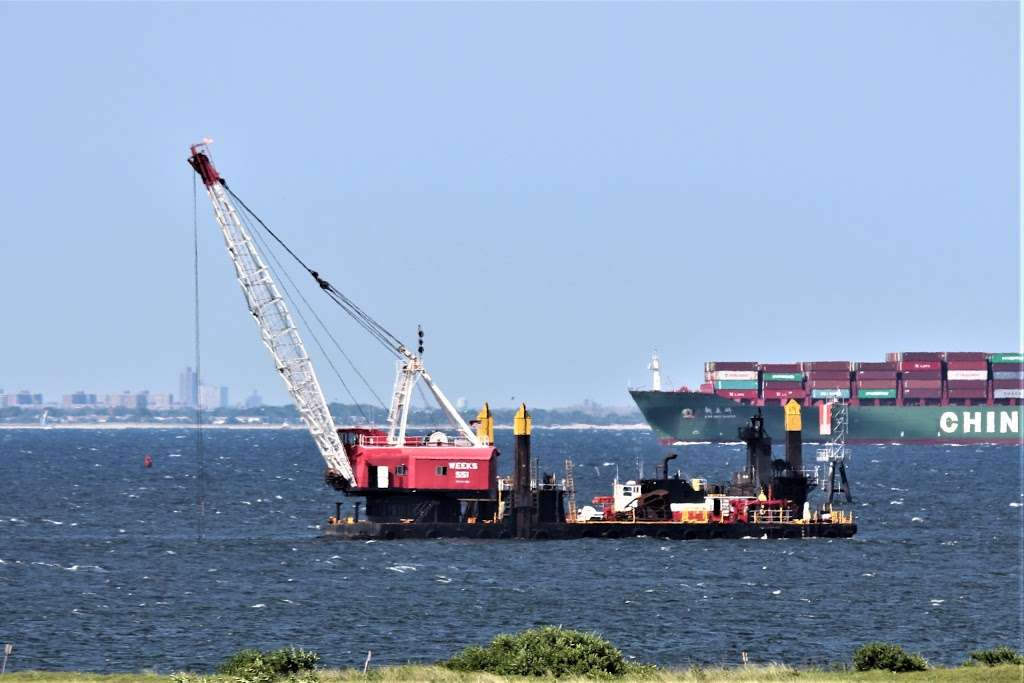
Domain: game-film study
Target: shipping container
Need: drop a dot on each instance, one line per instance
(735, 384)
(915, 365)
(967, 384)
(922, 393)
(729, 365)
(876, 374)
(967, 365)
(738, 393)
(784, 393)
(829, 375)
(828, 365)
(877, 384)
(952, 356)
(1001, 374)
(707, 388)
(783, 377)
(922, 374)
(748, 375)
(922, 384)
(876, 393)
(1008, 383)
(968, 393)
(782, 367)
(893, 357)
(954, 375)
(923, 356)
(830, 393)
(892, 367)
(1017, 358)
(830, 384)
(772, 384)
(1008, 393)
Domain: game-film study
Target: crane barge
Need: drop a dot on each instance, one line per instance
(439, 478)
(443, 485)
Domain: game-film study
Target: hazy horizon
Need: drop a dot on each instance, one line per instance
(551, 190)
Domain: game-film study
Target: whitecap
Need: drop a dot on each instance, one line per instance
(916, 519)
(258, 605)
(776, 592)
(53, 521)
(1015, 504)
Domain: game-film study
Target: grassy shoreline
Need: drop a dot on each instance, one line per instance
(750, 674)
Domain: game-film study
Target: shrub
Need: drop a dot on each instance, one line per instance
(547, 651)
(996, 656)
(886, 656)
(256, 666)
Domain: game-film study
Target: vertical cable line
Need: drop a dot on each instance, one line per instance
(200, 464)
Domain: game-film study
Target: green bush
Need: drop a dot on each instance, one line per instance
(888, 657)
(256, 666)
(996, 656)
(546, 651)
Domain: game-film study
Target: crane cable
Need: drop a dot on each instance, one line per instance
(200, 464)
(375, 329)
(284, 271)
(298, 310)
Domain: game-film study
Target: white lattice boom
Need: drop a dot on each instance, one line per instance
(275, 323)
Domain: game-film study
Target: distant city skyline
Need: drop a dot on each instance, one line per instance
(753, 181)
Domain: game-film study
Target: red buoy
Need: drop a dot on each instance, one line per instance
(147, 461)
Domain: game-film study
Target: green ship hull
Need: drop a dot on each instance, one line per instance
(691, 416)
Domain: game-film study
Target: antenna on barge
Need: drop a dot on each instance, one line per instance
(835, 418)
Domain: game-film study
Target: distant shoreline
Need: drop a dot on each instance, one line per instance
(157, 425)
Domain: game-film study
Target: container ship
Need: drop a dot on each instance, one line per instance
(911, 397)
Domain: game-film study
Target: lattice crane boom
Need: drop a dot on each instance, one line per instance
(277, 329)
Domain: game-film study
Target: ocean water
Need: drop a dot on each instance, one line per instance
(101, 567)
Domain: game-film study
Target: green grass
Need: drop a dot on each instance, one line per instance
(751, 674)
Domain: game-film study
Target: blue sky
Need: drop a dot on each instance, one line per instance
(551, 190)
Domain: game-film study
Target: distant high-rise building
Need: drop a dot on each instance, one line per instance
(254, 400)
(127, 399)
(211, 397)
(188, 388)
(79, 399)
(160, 401)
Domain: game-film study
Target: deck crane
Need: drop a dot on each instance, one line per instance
(400, 476)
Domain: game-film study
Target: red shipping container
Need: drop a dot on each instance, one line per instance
(915, 365)
(877, 384)
(922, 393)
(729, 365)
(1008, 384)
(831, 384)
(783, 384)
(784, 393)
(782, 367)
(967, 384)
(922, 383)
(707, 388)
(828, 375)
(737, 393)
(828, 365)
(892, 367)
(922, 374)
(966, 355)
(877, 374)
(968, 393)
(967, 365)
(923, 356)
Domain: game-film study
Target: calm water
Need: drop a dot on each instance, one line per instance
(101, 569)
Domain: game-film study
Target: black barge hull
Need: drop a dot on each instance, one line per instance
(364, 531)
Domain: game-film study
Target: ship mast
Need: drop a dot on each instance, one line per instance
(655, 368)
(277, 329)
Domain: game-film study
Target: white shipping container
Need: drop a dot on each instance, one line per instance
(736, 374)
(1008, 393)
(967, 374)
